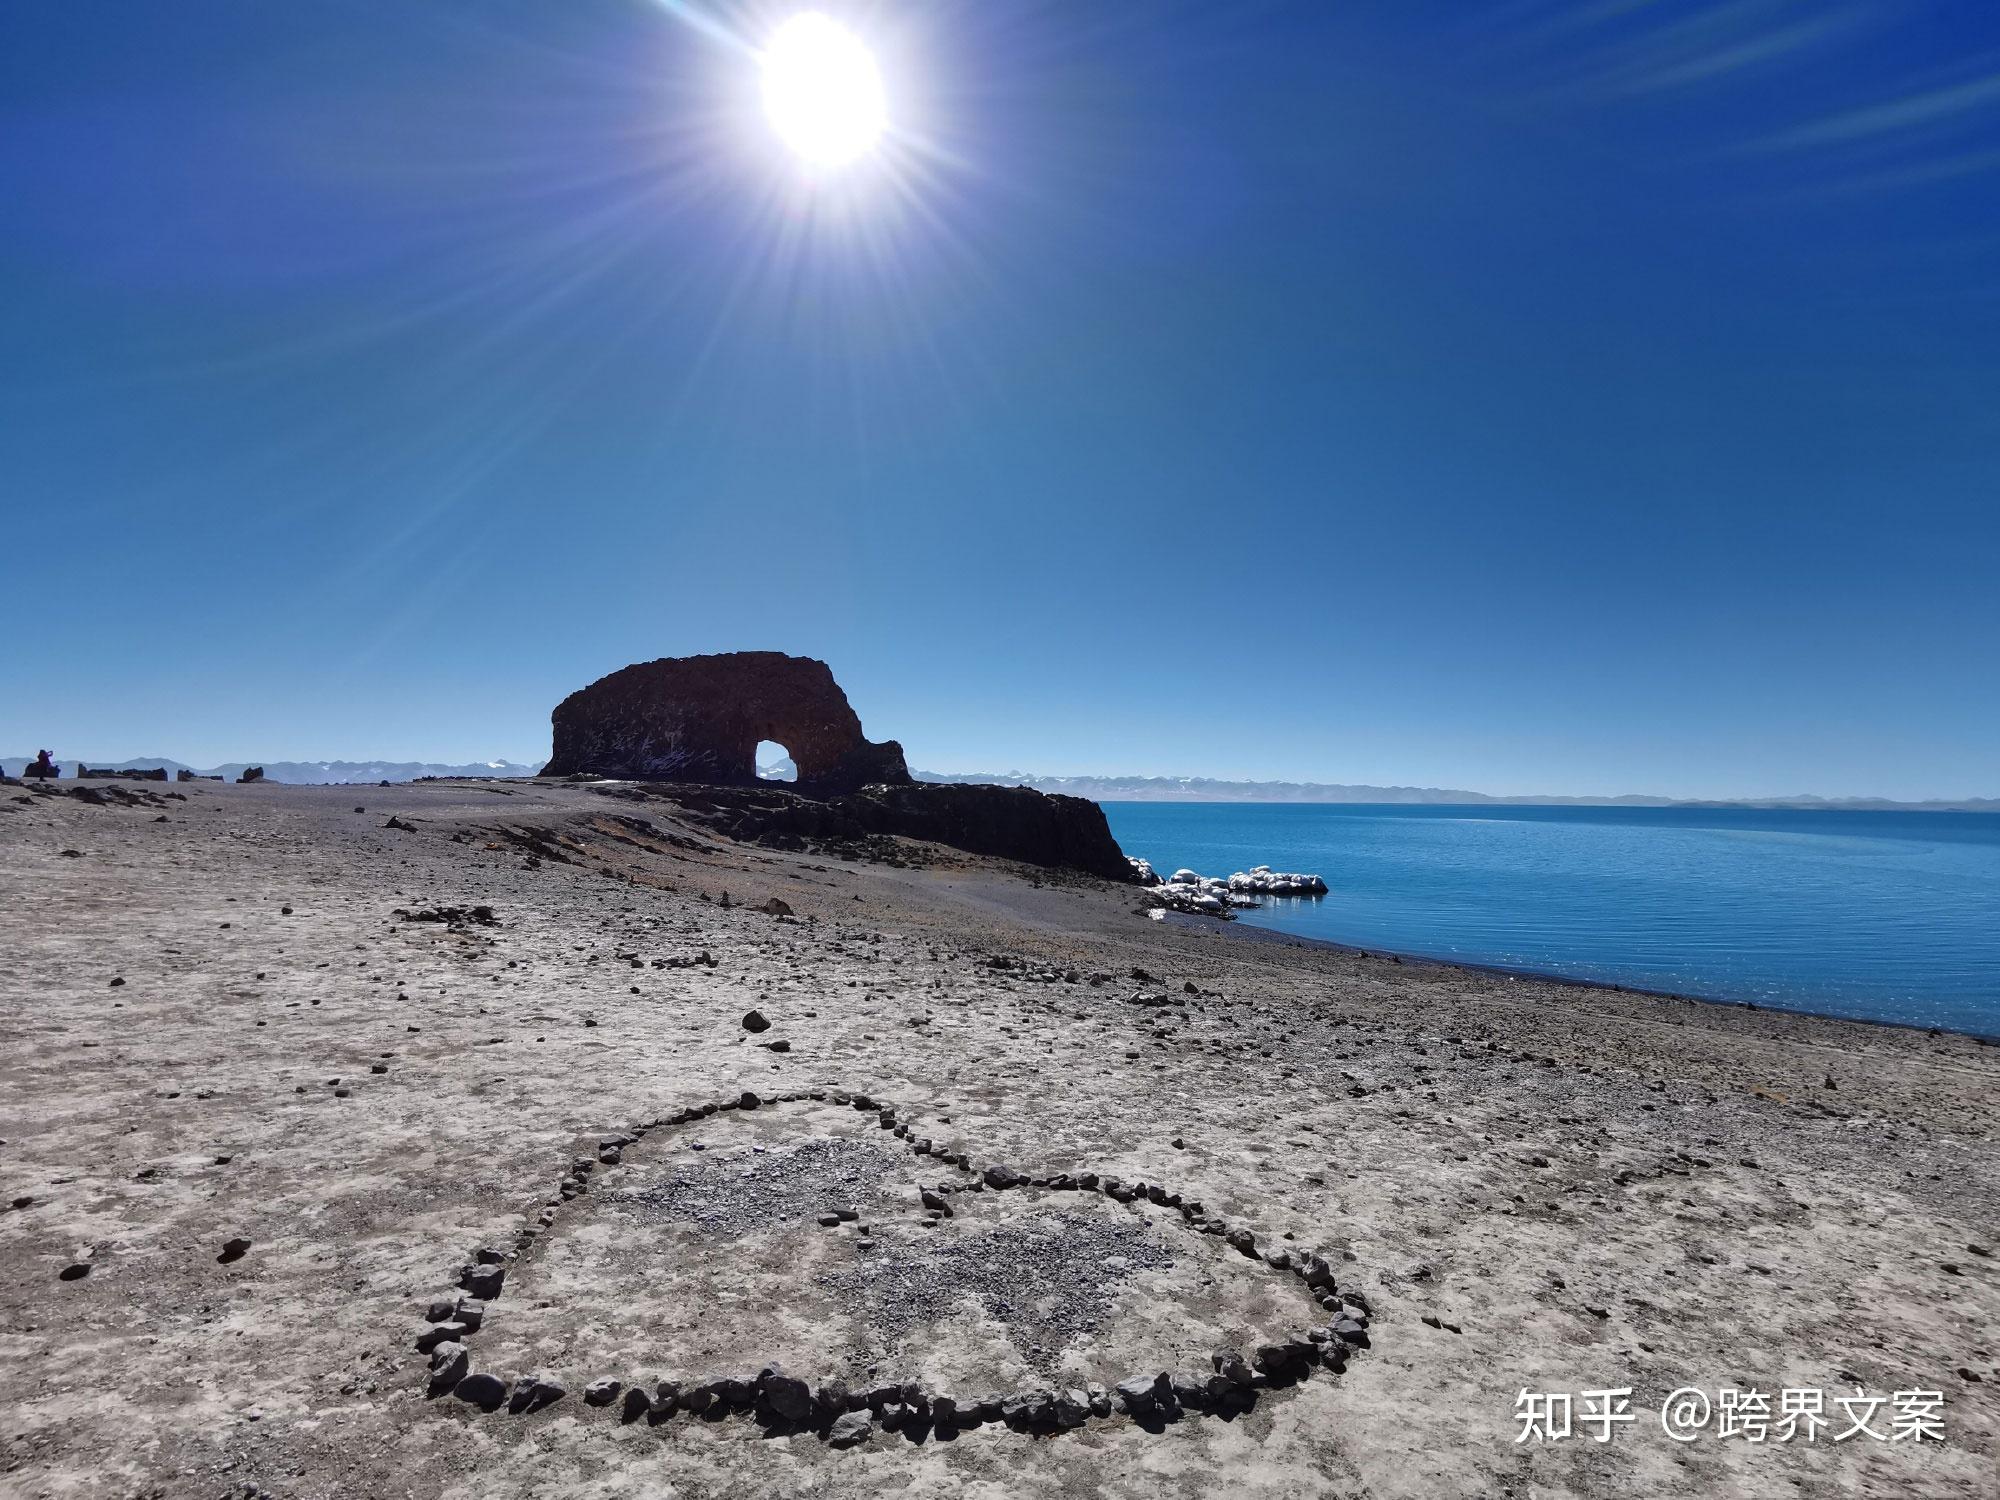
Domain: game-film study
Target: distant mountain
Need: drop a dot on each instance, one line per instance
(1204, 789)
(1096, 788)
(294, 772)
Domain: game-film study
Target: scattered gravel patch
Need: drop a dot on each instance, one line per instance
(1049, 1279)
(748, 1190)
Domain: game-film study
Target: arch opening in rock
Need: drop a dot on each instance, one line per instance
(774, 762)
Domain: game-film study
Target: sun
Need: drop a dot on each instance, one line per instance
(822, 91)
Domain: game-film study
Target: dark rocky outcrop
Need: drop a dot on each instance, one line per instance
(43, 767)
(1006, 822)
(695, 722)
(699, 719)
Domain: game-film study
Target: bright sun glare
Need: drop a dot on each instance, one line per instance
(822, 91)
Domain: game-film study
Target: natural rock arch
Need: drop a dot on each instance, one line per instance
(700, 718)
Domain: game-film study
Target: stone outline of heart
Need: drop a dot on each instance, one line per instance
(787, 1401)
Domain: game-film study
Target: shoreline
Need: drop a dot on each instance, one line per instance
(1571, 981)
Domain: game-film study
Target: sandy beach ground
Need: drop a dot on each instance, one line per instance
(218, 1027)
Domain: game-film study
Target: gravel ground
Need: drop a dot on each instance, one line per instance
(751, 1189)
(1048, 1279)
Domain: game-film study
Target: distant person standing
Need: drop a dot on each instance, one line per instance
(43, 766)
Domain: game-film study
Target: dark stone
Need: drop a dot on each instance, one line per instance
(602, 1392)
(483, 1281)
(850, 1428)
(755, 1021)
(481, 1390)
(1284, 1359)
(788, 1396)
(75, 1271)
(449, 1331)
(233, 1249)
(1028, 1408)
(1229, 1366)
(449, 1362)
(1137, 1395)
(635, 1404)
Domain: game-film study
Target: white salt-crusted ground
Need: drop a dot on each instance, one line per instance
(1595, 1189)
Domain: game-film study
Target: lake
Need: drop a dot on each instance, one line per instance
(1874, 915)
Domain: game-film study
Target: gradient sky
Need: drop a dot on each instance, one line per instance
(1582, 398)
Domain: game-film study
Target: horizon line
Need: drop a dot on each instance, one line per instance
(1436, 792)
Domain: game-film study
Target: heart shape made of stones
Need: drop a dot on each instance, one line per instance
(844, 1417)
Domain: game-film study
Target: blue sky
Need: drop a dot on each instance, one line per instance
(1530, 397)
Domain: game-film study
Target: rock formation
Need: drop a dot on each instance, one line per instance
(1006, 822)
(699, 719)
(43, 767)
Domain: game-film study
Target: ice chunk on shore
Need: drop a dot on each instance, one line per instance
(1204, 895)
(1262, 880)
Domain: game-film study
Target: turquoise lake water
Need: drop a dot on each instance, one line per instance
(1876, 915)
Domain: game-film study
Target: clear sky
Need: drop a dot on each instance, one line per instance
(1526, 396)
